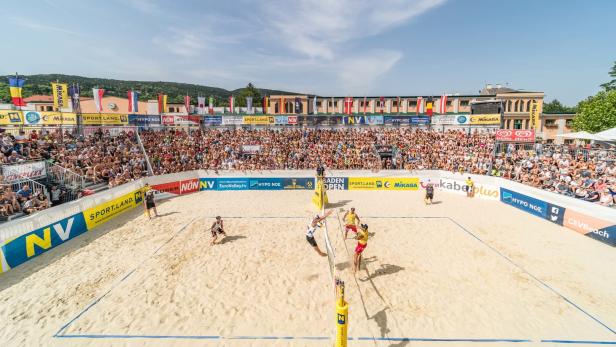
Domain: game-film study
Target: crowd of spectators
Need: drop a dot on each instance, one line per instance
(587, 174)
(99, 157)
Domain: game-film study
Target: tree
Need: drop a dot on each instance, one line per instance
(596, 113)
(556, 106)
(250, 90)
(611, 85)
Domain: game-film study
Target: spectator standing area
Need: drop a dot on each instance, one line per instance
(443, 273)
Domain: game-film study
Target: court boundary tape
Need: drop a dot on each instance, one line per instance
(59, 333)
(118, 282)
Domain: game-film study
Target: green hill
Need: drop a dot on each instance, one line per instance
(41, 84)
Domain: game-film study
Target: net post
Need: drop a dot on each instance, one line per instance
(342, 316)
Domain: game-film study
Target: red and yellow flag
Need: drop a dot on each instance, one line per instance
(15, 86)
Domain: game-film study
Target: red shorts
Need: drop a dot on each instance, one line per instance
(360, 248)
(352, 227)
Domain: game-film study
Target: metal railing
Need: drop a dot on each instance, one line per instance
(35, 187)
(65, 177)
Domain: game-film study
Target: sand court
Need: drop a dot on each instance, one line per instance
(441, 274)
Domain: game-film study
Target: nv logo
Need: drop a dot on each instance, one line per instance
(138, 196)
(341, 319)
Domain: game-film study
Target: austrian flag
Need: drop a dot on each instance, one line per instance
(348, 105)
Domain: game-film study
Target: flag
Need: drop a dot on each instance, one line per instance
(365, 102)
(60, 95)
(211, 105)
(97, 94)
(249, 104)
(443, 104)
(429, 105)
(162, 103)
(73, 92)
(348, 105)
(265, 104)
(420, 105)
(319, 199)
(231, 104)
(315, 108)
(298, 106)
(187, 104)
(15, 86)
(534, 112)
(133, 101)
(382, 104)
(456, 104)
(201, 104)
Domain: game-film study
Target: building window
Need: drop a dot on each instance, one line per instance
(412, 103)
(568, 141)
(49, 108)
(448, 103)
(464, 103)
(550, 123)
(517, 124)
(394, 103)
(550, 140)
(569, 123)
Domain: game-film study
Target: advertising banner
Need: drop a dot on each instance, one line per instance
(39, 241)
(525, 203)
(166, 190)
(259, 120)
(282, 120)
(292, 120)
(298, 183)
(143, 119)
(515, 135)
(590, 226)
(419, 120)
(353, 120)
(383, 183)
(535, 122)
(232, 120)
(485, 119)
(374, 120)
(9, 117)
(444, 119)
(336, 183)
(49, 118)
(104, 119)
(397, 120)
(207, 184)
(212, 120)
(180, 120)
(265, 184)
(459, 187)
(231, 184)
(324, 120)
(189, 186)
(102, 213)
(555, 214)
(20, 171)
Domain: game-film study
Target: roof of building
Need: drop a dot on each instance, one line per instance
(39, 98)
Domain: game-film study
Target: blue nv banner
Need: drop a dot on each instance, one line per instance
(39, 241)
(207, 184)
(336, 183)
(397, 120)
(212, 120)
(353, 120)
(143, 119)
(539, 208)
(232, 184)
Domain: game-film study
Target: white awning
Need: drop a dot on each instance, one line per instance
(608, 135)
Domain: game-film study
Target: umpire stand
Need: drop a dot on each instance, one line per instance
(342, 315)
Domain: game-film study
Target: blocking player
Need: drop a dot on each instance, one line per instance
(362, 242)
(350, 219)
(312, 228)
(429, 193)
(150, 204)
(216, 229)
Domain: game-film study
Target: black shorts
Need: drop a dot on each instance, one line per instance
(217, 231)
(311, 241)
(150, 205)
(429, 195)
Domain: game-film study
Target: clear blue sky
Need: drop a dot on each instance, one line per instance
(388, 47)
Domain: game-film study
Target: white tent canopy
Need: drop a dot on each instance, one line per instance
(608, 135)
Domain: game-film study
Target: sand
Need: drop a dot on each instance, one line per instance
(460, 269)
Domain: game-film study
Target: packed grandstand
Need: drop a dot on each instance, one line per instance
(108, 159)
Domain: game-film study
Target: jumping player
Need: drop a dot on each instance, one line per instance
(149, 202)
(217, 228)
(429, 193)
(351, 219)
(362, 242)
(312, 228)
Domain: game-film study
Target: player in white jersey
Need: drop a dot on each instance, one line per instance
(312, 228)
